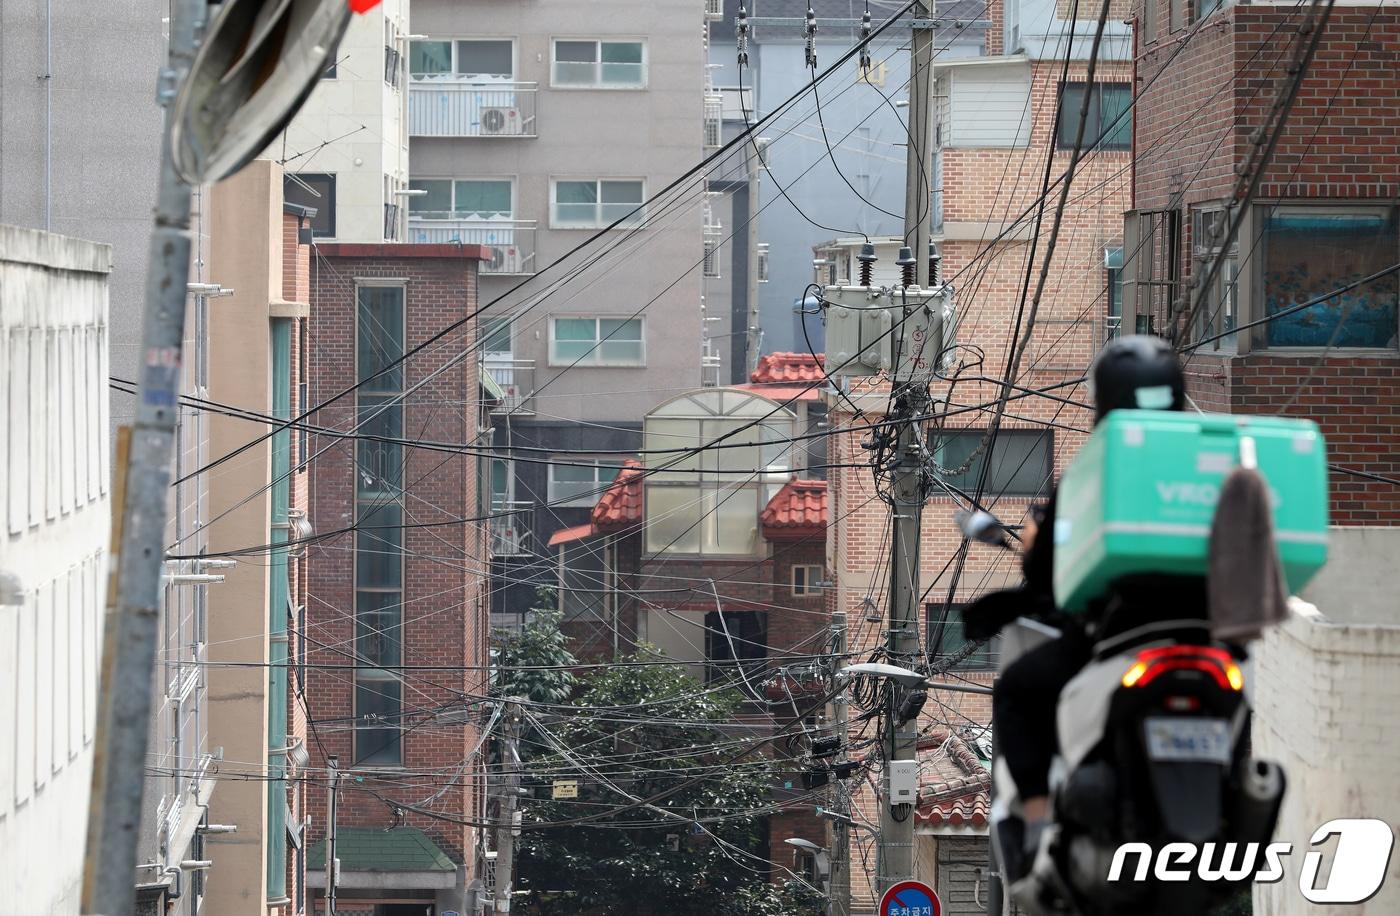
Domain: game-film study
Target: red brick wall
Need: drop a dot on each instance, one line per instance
(444, 615)
(1341, 142)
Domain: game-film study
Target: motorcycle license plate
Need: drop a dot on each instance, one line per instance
(1189, 739)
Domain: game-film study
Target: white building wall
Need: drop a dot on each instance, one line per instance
(56, 520)
(1325, 708)
(354, 126)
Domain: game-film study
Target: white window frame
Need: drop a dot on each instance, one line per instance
(599, 41)
(637, 222)
(594, 358)
(452, 194)
(813, 578)
(587, 501)
(455, 64)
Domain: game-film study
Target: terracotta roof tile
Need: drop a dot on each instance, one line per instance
(788, 367)
(797, 510)
(955, 788)
(621, 503)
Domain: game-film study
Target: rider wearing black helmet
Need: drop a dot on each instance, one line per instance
(1134, 372)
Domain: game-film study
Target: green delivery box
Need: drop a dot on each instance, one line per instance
(1140, 497)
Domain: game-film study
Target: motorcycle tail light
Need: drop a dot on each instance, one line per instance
(1183, 704)
(1152, 663)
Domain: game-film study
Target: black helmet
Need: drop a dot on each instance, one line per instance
(1137, 372)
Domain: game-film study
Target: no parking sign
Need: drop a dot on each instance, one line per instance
(910, 898)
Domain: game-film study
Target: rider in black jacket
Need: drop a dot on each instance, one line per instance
(1131, 372)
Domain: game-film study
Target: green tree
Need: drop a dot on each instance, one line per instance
(534, 663)
(638, 730)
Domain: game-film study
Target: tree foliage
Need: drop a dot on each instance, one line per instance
(637, 731)
(534, 663)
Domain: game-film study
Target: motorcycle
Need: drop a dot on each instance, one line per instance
(1153, 738)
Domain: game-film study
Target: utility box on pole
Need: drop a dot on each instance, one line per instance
(906, 332)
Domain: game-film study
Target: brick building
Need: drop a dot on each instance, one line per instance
(396, 578)
(719, 565)
(1324, 218)
(999, 120)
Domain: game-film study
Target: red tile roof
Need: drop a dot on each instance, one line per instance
(620, 505)
(956, 793)
(797, 510)
(789, 368)
(576, 533)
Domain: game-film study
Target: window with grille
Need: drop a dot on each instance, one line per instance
(1021, 460)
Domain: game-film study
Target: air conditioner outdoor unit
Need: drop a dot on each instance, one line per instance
(504, 259)
(500, 121)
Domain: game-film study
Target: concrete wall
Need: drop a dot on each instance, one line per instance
(246, 257)
(652, 133)
(363, 117)
(54, 523)
(95, 148)
(1325, 709)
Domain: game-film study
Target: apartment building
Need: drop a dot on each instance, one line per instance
(997, 118)
(346, 151)
(256, 616)
(55, 512)
(533, 127)
(1273, 334)
(396, 625)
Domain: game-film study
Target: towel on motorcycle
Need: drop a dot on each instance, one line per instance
(1246, 587)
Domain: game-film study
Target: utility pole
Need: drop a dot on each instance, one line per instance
(332, 862)
(507, 823)
(840, 901)
(896, 841)
(133, 593)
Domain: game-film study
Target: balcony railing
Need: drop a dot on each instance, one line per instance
(516, 378)
(510, 527)
(512, 241)
(448, 106)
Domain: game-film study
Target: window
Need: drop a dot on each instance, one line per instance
(1110, 120)
(1113, 270)
(1176, 15)
(596, 342)
(315, 190)
(597, 204)
(600, 64)
(737, 639)
(946, 639)
(477, 59)
(806, 580)
(1310, 251)
(1021, 460)
(582, 580)
(707, 500)
(1219, 312)
(1205, 7)
(379, 345)
(393, 61)
(468, 198)
(495, 337)
(1147, 23)
(580, 483)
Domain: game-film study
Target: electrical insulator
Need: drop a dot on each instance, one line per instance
(811, 33)
(743, 35)
(906, 264)
(867, 264)
(865, 42)
(934, 261)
